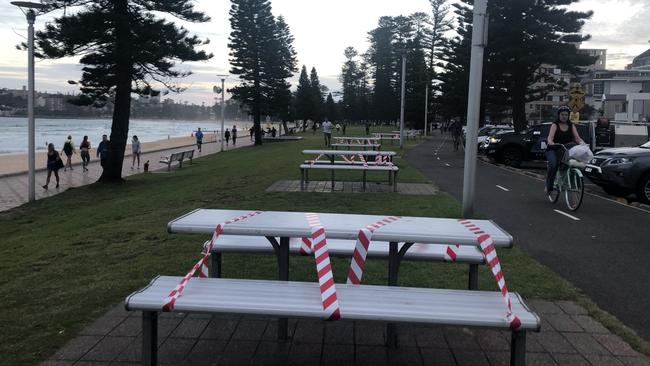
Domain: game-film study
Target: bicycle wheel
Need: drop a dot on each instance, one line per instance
(575, 190)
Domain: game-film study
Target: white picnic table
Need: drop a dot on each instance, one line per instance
(286, 224)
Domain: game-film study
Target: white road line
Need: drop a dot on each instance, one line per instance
(447, 164)
(503, 188)
(567, 215)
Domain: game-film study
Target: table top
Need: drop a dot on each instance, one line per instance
(348, 152)
(338, 226)
(354, 138)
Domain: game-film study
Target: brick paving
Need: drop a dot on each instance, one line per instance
(13, 188)
(197, 339)
(352, 187)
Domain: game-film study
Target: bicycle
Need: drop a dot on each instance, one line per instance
(569, 180)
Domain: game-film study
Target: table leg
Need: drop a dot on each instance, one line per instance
(332, 160)
(149, 338)
(364, 180)
(283, 275)
(215, 258)
(302, 179)
(473, 277)
(393, 263)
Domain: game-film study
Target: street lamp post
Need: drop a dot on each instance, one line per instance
(223, 106)
(479, 41)
(31, 17)
(426, 108)
(401, 115)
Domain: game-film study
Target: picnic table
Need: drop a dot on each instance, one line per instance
(380, 161)
(355, 301)
(359, 140)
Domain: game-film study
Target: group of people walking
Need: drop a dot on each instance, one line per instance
(55, 160)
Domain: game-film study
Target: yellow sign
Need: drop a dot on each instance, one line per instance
(575, 98)
(574, 117)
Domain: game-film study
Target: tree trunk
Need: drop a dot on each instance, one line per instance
(122, 108)
(257, 127)
(518, 98)
(284, 125)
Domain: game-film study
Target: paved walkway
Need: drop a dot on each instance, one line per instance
(13, 189)
(351, 187)
(568, 337)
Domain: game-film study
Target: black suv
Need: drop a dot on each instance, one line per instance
(622, 171)
(514, 148)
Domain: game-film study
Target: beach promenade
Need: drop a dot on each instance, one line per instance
(13, 185)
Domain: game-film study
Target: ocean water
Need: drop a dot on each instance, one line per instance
(13, 131)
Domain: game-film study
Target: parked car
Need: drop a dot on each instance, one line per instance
(622, 171)
(514, 148)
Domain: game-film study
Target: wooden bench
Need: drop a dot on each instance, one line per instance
(462, 308)
(345, 248)
(179, 156)
(391, 169)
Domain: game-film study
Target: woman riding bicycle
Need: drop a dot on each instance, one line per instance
(562, 132)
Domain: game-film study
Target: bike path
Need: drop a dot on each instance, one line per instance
(603, 248)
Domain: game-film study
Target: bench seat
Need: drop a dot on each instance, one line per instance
(350, 167)
(357, 302)
(179, 157)
(345, 248)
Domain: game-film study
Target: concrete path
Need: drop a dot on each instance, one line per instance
(14, 191)
(568, 337)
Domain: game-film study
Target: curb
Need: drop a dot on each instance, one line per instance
(599, 192)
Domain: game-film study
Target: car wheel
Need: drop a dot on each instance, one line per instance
(511, 156)
(616, 191)
(643, 190)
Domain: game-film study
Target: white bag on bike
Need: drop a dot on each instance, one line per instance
(581, 153)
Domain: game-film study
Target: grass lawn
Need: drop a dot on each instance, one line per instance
(67, 258)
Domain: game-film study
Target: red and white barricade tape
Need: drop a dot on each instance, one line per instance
(451, 253)
(323, 268)
(315, 160)
(364, 237)
(487, 246)
(202, 263)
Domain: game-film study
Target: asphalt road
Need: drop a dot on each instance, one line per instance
(603, 248)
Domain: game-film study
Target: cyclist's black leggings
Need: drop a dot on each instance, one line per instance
(553, 161)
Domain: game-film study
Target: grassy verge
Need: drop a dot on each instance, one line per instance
(67, 258)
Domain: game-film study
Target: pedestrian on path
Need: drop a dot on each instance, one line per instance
(227, 136)
(136, 150)
(234, 135)
(252, 132)
(54, 163)
(84, 147)
(102, 150)
(327, 132)
(199, 138)
(68, 149)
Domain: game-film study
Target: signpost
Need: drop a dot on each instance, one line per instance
(576, 95)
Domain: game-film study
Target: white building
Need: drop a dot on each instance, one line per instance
(622, 95)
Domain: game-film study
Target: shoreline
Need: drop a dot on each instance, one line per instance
(16, 163)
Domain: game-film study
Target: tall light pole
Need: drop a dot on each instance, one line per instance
(402, 103)
(223, 105)
(31, 17)
(479, 41)
(426, 107)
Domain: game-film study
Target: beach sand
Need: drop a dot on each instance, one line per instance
(13, 163)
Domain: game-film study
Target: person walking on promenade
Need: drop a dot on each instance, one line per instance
(84, 147)
(199, 138)
(327, 132)
(234, 135)
(252, 132)
(54, 163)
(227, 136)
(136, 149)
(102, 150)
(68, 149)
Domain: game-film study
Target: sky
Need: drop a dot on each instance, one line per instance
(322, 30)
